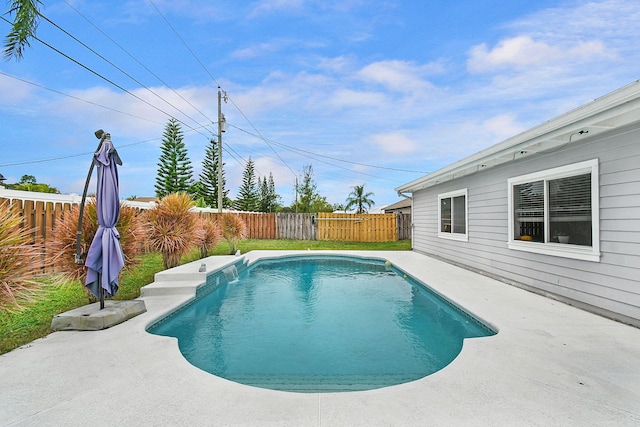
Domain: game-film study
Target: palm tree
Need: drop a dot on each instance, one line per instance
(23, 28)
(359, 199)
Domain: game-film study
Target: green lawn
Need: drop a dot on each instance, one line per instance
(19, 328)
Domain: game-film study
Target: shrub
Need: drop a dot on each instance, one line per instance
(20, 262)
(171, 227)
(62, 247)
(234, 229)
(208, 234)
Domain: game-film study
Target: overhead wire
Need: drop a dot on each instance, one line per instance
(229, 150)
(216, 81)
(137, 60)
(300, 150)
(115, 84)
(77, 98)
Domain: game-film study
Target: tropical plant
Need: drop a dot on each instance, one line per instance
(23, 27)
(208, 234)
(234, 229)
(174, 168)
(359, 199)
(18, 261)
(61, 248)
(171, 227)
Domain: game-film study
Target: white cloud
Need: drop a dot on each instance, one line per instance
(523, 51)
(501, 127)
(396, 143)
(271, 6)
(352, 98)
(13, 91)
(400, 76)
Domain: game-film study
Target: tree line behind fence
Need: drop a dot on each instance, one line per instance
(41, 216)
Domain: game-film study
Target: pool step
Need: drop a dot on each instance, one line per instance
(173, 287)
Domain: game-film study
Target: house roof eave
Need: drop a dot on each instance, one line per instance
(608, 112)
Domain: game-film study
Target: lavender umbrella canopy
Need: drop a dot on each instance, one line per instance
(105, 258)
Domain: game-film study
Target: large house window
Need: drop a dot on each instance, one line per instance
(556, 211)
(452, 215)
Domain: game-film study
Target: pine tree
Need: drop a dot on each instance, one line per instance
(268, 197)
(209, 178)
(248, 198)
(264, 195)
(174, 168)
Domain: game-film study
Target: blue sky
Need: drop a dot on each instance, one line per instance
(373, 92)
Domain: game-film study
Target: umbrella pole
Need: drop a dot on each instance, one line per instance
(101, 291)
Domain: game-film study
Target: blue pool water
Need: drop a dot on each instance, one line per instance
(319, 324)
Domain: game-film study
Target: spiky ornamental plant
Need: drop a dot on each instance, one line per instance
(62, 246)
(171, 227)
(208, 235)
(19, 260)
(234, 229)
(174, 168)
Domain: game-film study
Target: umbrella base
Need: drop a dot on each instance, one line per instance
(92, 318)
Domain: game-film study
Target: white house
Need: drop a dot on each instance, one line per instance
(555, 209)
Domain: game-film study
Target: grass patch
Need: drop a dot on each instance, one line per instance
(19, 328)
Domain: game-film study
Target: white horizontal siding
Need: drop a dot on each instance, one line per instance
(611, 286)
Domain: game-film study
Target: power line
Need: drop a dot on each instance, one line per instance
(216, 82)
(299, 150)
(138, 61)
(110, 81)
(77, 99)
(117, 68)
(183, 42)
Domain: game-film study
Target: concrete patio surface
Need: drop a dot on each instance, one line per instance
(549, 365)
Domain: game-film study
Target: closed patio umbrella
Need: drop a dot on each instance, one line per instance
(105, 258)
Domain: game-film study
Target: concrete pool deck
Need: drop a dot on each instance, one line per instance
(549, 364)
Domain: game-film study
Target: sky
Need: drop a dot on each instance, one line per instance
(368, 92)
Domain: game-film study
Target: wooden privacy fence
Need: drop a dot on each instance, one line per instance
(403, 223)
(259, 225)
(296, 226)
(41, 215)
(357, 227)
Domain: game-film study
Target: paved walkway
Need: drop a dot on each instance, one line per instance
(549, 365)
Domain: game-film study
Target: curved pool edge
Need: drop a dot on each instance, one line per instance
(185, 292)
(550, 364)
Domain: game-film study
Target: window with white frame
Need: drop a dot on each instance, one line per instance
(452, 215)
(556, 211)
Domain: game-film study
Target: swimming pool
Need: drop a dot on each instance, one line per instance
(319, 324)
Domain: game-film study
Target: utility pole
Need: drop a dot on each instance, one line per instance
(221, 128)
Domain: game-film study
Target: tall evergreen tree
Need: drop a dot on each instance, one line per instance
(268, 196)
(174, 168)
(209, 178)
(248, 197)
